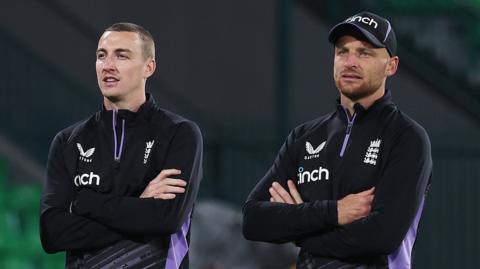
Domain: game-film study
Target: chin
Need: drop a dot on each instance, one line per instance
(355, 95)
(110, 93)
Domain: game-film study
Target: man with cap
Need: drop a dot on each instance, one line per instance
(348, 188)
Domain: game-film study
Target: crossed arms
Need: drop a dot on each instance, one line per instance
(86, 219)
(371, 222)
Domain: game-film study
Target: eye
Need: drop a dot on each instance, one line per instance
(100, 55)
(122, 56)
(342, 51)
(365, 53)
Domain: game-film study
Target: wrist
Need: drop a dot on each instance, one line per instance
(337, 213)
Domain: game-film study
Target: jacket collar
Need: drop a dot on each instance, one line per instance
(130, 117)
(361, 112)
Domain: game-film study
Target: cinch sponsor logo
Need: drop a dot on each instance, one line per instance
(86, 179)
(365, 20)
(315, 175)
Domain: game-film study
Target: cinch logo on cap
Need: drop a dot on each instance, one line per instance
(365, 20)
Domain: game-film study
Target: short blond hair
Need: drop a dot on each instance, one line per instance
(148, 46)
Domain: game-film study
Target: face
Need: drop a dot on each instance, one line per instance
(360, 70)
(122, 69)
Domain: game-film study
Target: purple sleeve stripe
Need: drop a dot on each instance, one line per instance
(178, 246)
(402, 257)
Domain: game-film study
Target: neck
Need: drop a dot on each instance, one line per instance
(131, 103)
(365, 102)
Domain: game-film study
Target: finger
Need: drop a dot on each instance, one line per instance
(283, 193)
(168, 181)
(145, 194)
(275, 201)
(275, 195)
(168, 172)
(294, 192)
(165, 196)
(172, 189)
(174, 182)
(164, 188)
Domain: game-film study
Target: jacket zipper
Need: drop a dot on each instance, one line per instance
(117, 151)
(349, 130)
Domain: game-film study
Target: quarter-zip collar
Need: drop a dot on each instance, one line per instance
(118, 122)
(131, 118)
(360, 112)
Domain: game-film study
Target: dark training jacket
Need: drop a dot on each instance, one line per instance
(96, 171)
(336, 155)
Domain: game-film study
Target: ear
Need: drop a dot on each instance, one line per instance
(150, 67)
(392, 66)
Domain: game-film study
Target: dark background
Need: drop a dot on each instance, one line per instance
(247, 72)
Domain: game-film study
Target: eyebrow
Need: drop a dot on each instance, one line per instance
(369, 49)
(122, 50)
(366, 49)
(116, 51)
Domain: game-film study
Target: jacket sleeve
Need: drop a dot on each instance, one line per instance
(148, 216)
(59, 229)
(399, 195)
(278, 222)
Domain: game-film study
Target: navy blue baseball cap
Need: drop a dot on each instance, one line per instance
(375, 29)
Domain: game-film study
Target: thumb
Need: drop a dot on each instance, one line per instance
(368, 192)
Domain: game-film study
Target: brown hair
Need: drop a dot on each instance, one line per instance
(148, 46)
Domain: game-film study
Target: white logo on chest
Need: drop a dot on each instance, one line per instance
(85, 155)
(313, 152)
(86, 179)
(148, 149)
(373, 150)
(315, 175)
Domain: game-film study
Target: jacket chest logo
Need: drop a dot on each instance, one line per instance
(85, 156)
(312, 152)
(86, 179)
(373, 150)
(148, 149)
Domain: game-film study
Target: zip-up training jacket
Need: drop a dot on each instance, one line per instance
(96, 171)
(336, 155)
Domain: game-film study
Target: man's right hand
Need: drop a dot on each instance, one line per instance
(355, 206)
(164, 187)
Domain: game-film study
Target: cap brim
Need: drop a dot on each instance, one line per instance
(346, 28)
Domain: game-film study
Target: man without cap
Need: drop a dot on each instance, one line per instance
(120, 186)
(348, 188)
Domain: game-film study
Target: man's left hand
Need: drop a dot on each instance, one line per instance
(280, 195)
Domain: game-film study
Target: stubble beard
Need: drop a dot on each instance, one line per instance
(357, 93)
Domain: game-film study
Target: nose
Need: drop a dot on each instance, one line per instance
(108, 64)
(351, 60)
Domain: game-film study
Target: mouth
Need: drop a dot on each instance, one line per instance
(351, 76)
(110, 81)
